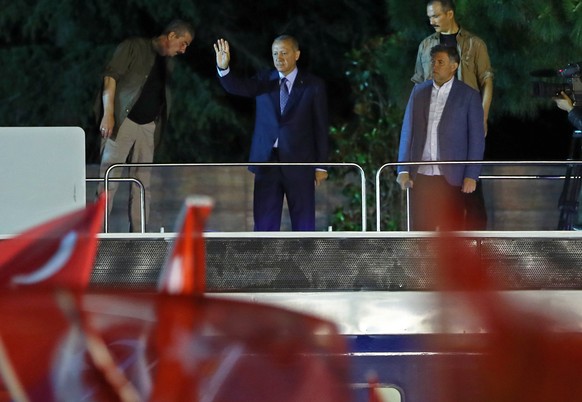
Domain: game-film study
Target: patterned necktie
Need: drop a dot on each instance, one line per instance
(284, 93)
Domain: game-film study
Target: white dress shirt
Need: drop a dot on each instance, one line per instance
(438, 100)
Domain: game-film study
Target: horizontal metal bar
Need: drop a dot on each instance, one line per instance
(184, 165)
(483, 163)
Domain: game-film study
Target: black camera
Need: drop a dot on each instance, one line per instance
(553, 82)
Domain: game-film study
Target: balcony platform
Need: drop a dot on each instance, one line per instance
(378, 287)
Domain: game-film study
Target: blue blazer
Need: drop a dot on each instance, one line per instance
(461, 132)
(302, 130)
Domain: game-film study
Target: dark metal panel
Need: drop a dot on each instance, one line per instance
(129, 263)
(342, 263)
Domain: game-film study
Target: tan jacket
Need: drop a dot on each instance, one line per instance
(475, 65)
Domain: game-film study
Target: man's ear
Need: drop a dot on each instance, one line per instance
(297, 54)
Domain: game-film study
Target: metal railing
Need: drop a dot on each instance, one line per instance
(123, 180)
(107, 179)
(487, 177)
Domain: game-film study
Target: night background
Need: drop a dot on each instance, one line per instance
(52, 53)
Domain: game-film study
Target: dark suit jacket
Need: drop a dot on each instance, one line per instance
(575, 117)
(461, 132)
(303, 128)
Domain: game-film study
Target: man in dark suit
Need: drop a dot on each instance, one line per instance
(443, 122)
(291, 125)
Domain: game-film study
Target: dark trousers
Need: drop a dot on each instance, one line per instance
(435, 204)
(272, 185)
(475, 212)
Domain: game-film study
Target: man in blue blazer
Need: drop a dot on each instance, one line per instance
(291, 125)
(443, 122)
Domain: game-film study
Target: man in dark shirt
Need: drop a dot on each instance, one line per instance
(135, 105)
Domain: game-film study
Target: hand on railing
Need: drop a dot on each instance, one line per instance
(404, 180)
(320, 176)
(469, 185)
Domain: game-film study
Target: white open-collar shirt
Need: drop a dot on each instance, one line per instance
(438, 100)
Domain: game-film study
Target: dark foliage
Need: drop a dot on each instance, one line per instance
(53, 51)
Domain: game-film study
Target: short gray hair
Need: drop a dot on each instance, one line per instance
(290, 38)
(179, 27)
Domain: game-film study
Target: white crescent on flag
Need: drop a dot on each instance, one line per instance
(52, 266)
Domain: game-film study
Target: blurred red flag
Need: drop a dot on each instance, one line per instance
(185, 269)
(113, 346)
(215, 350)
(61, 345)
(60, 252)
(33, 331)
(527, 353)
(108, 346)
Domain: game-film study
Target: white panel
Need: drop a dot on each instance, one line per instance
(411, 312)
(42, 175)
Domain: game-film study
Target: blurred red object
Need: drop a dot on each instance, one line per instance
(526, 352)
(373, 395)
(165, 348)
(61, 342)
(184, 271)
(60, 252)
